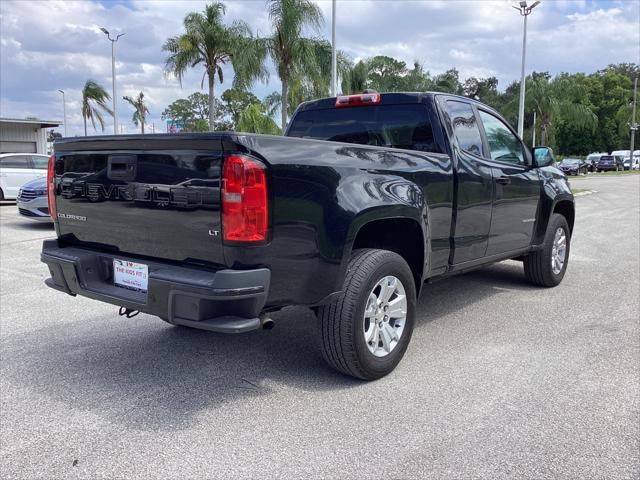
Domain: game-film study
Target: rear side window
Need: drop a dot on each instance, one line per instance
(405, 126)
(15, 161)
(40, 162)
(465, 127)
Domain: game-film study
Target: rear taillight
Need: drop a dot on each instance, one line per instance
(244, 200)
(51, 188)
(360, 100)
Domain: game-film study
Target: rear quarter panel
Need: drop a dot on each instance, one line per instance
(324, 192)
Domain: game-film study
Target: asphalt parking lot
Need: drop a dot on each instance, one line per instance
(501, 379)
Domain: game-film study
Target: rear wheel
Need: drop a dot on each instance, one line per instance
(1, 195)
(546, 267)
(366, 330)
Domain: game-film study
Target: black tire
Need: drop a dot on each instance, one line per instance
(537, 265)
(1, 195)
(341, 322)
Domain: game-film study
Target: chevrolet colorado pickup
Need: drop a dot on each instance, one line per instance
(363, 200)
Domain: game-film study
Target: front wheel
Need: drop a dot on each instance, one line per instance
(365, 331)
(546, 267)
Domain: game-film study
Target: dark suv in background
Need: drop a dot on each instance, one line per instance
(573, 166)
(610, 162)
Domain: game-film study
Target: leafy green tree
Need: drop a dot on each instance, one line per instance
(448, 82)
(141, 111)
(385, 74)
(52, 135)
(254, 119)
(555, 100)
(207, 41)
(295, 56)
(482, 89)
(355, 78)
(235, 101)
(94, 103)
(417, 79)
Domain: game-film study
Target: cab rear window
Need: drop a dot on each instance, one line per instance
(399, 126)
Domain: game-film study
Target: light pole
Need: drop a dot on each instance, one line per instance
(633, 126)
(334, 60)
(524, 10)
(113, 74)
(64, 112)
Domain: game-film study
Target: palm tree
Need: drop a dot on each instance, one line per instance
(93, 93)
(207, 41)
(355, 78)
(255, 119)
(295, 57)
(557, 100)
(141, 110)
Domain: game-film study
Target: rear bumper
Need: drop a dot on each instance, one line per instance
(228, 301)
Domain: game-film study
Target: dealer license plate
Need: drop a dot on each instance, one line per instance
(131, 275)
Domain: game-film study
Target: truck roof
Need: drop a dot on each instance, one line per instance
(387, 97)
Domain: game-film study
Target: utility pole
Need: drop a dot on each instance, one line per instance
(533, 141)
(113, 74)
(525, 11)
(64, 112)
(334, 59)
(633, 126)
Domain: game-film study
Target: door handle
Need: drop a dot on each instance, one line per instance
(503, 180)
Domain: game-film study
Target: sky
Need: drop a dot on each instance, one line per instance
(46, 46)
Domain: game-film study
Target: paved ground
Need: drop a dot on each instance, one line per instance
(501, 379)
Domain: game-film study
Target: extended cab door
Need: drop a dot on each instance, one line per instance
(473, 182)
(516, 187)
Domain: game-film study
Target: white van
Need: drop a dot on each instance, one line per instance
(636, 160)
(16, 169)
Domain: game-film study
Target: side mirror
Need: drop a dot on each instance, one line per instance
(543, 157)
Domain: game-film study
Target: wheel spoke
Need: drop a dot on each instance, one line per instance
(385, 336)
(398, 307)
(388, 287)
(393, 333)
(371, 306)
(371, 336)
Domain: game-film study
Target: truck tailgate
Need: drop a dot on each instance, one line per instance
(148, 196)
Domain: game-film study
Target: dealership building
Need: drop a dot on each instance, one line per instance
(24, 136)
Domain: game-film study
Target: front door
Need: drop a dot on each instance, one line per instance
(516, 187)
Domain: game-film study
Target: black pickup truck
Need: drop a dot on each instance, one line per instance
(363, 200)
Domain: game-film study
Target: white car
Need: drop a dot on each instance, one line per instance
(636, 162)
(16, 169)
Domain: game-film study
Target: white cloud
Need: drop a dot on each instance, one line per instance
(46, 46)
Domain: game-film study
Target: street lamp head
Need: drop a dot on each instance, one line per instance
(523, 4)
(61, 91)
(104, 30)
(534, 5)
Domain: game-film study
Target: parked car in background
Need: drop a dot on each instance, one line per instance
(592, 161)
(32, 200)
(609, 162)
(636, 161)
(16, 169)
(573, 166)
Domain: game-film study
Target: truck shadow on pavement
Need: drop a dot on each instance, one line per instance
(152, 376)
